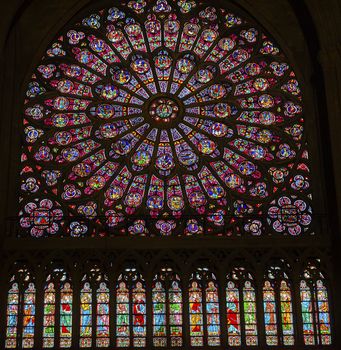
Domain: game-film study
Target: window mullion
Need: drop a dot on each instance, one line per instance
(260, 311)
(297, 312)
(76, 307)
(57, 313)
(39, 316)
(167, 306)
(204, 311)
(112, 312)
(186, 326)
(149, 310)
(241, 312)
(94, 288)
(316, 316)
(222, 310)
(278, 303)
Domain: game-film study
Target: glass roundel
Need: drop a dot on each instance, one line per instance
(160, 118)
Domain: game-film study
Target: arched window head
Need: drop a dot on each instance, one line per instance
(57, 323)
(278, 308)
(130, 310)
(167, 309)
(241, 308)
(21, 304)
(315, 306)
(204, 314)
(164, 110)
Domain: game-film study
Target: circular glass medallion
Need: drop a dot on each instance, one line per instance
(163, 109)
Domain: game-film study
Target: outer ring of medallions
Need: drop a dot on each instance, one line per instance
(160, 124)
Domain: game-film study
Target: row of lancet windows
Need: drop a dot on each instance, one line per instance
(120, 317)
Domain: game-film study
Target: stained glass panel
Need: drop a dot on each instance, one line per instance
(29, 316)
(86, 316)
(49, 316)
(307, 314)
(212, 315)
(233, 314)
(287, 314)
(159, 315)
(12, 316)
(164, 111)
(65, 315)
(139, 315)
(123, 316)
(102, 328)
(323, 313)
(250, 316)
(175, 314)
(196, 315)
(270, 316)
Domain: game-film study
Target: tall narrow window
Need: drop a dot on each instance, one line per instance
(167, 309)
(287, 318)
(270, 316)
(102, 319)
(86, 316)
(139, 315)
(277, 301)
(122, 316)
(204, 309)
(159, 315)
(65, 315)
(29, 316)
(233, 314)
(315, 308)
(12, 316)
(212, 314)
(49, 316)
(241, 308)
(250, 317)
(196, 314)
(175, 314)
(130, 310)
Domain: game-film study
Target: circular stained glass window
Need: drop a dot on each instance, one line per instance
(164, 113)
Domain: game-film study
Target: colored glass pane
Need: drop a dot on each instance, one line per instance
(286, 314)
(123, 315)
(307, 314)
(233, 314)
(175, 313)
(212, 315)
(102, 328)
(270, 316)
(49, 316)
(250, 319)
(165, 110)
(12, 317)
(139, 315)
(65, 314)
(86, 316)
(323, 317)
(196, 315)
(159, 315)
(28, 316)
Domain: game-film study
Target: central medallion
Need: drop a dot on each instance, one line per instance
(163, 109)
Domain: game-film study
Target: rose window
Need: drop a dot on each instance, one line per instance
(162, 118)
